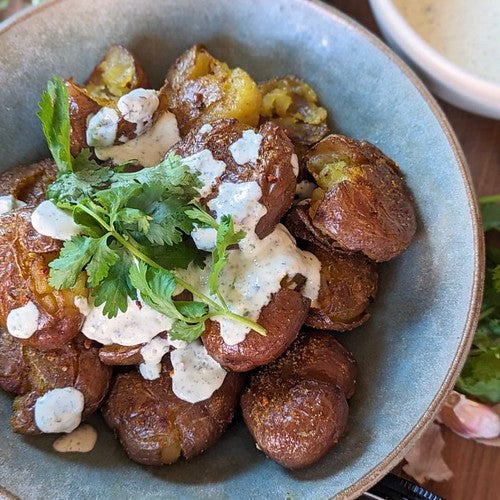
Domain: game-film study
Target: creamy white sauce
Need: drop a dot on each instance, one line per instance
(205, 129)
(59, 410)
(102, 127)
(137, 325)
(8, 203)
(204, 238)
(196, 374)
(304, 190)
(81, 440)
(466, 32)
(138, 106)
(295, 164)
(253, 272)
(152, 354)
(22, 322)
(148, 149)
(50, 220)
(207, 166)
(246, 148)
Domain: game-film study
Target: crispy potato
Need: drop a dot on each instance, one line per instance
(293, 105)
(348, 286)
(296, 408)
(28, 183)
(156, 428)
(24, 258)
(202, 89)
(273, 170)
(118, 72)
(362, 201)
(121, 355)
(282, 318)
(30, 373)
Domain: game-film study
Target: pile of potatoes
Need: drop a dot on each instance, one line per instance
(293, 384)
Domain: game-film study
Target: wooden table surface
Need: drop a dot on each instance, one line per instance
(476, 468)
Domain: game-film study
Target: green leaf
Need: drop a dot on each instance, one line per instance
(195, 212)
(177, 256)
(102, 260)
(135, 218)
(113, 199)
(192, 309)
(490, 210)
(226, 236)
(114, 290)
(186, 331)
(496, 278)
(54, 116)
(74, 255)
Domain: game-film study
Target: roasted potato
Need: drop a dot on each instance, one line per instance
(362, 201)
(348, 286)
(118, 72)
(156, 428)
(121, 355)
(202, 89)
(30, 373)
(282, 318)
(296, 408)
(273, 170)
(24, 258)
(293, 105)
(29, 183)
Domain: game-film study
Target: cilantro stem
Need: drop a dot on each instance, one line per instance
(136, 252)
(494, 198)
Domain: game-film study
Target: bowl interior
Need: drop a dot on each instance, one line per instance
(409, 350)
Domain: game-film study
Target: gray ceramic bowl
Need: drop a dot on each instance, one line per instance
(413, 347)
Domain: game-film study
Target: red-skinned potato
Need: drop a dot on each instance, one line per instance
(362, 201)
(155, 427)
(30, 373)
(24, 271)
(296, 408)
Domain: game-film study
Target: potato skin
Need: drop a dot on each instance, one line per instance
(156, 428)
(28, 183)
(30, 373)
(272, 171)
(24, 258)
(369, 209)
(348, 286)
(296, 408)
(282, 318)
(120, 355)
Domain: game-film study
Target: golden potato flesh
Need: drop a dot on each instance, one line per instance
(362, 201)
(201, 89)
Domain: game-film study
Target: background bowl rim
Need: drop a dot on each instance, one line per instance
(337, 16)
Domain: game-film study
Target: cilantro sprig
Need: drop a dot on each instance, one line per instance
(136, 230)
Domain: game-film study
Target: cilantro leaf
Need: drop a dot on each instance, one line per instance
(102, 260)
(226, 236)
(196, 213)
(490, 210)
(177, 256)
(134, 218)
(74, 256)
(191, 309)
(54, 116)
(181, 330)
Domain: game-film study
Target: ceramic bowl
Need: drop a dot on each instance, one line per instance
(446, 79)
(411, 350)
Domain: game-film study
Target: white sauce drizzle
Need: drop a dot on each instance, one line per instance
(196, 374)
(152, 353)
(22, 322)
(207, 166)
(8, 203)
(205, 129)
(304, 190)
(295, 164)
(138, 106)
(148, 149)
(81, 440)
(204, 238)
(254, 272)
(246, 148)
(50, 220)
(102, 127)
(59, 410)
(137, 325)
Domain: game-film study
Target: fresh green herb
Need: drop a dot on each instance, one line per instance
(54, 116)
(480, 377)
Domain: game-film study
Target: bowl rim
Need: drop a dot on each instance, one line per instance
(337, 16)
(449, 74)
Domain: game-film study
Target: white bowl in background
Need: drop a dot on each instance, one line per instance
(445, 78)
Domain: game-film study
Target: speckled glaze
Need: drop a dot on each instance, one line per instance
(411, 350)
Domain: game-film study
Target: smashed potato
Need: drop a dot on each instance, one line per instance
(201, 89)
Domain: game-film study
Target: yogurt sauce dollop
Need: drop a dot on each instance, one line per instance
(50, 220)
(22, 322)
